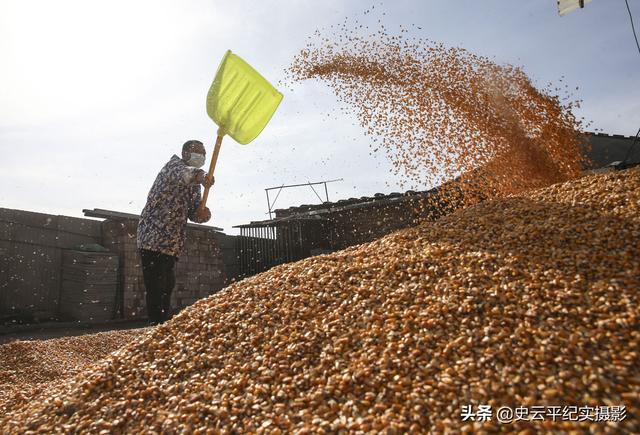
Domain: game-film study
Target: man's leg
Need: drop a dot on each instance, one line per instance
(153, 282)
(169, 283)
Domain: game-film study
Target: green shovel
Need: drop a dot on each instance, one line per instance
(241, 102)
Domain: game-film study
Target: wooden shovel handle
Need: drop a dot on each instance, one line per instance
(212, 166)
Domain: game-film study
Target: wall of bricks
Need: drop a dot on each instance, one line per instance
(200, 271)
(230, 256)
(364, 224)
(31, 263)
(604, 149)
(119, 236)
(360, 223)
(370, 221)
(31, 246)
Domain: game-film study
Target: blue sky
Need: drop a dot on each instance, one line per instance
(96, 96)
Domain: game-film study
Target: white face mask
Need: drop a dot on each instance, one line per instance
(196, 160)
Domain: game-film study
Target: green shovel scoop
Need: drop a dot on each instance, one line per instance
(241, 102)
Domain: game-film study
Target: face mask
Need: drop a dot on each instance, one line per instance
(196, 160)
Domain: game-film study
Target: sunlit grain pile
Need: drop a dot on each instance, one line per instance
(30, 368)
(442, 112)
(522, 301)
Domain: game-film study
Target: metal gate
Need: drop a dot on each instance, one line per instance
(262, 245)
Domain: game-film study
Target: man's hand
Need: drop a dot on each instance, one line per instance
(201, 178)
(203, 215)
(207, 183)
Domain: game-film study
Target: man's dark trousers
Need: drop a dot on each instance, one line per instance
(159, 279)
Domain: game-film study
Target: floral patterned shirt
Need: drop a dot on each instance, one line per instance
(174, 197)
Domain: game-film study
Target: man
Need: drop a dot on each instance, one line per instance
(174, 197)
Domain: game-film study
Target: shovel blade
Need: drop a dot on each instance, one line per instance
(240, 101)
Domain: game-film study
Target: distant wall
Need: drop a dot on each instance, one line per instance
(228, 247)
(31, 247)
(363, 224)
(200, 271)
(604, 149)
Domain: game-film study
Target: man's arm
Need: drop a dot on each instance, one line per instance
(194, 207)
(194, 203)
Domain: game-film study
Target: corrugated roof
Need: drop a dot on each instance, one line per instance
(365, 200)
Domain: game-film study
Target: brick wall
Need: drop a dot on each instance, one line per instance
(230, 257)
(360, 223)
(200, 272)
(604, 149)
(31, 246)
(364, 224)
(119, 236)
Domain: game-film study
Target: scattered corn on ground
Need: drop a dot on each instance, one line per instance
(521, 301)
(31, 368)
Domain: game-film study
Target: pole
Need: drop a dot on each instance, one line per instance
(212, 166)
(268, 202)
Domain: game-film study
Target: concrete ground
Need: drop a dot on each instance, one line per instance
(47, 330)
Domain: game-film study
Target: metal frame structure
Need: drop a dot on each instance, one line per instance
(279, 188)
(262, 245)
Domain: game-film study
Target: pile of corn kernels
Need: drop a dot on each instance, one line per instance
(524, 301)
(31, 368)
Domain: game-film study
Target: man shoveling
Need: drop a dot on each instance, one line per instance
(174, 197)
